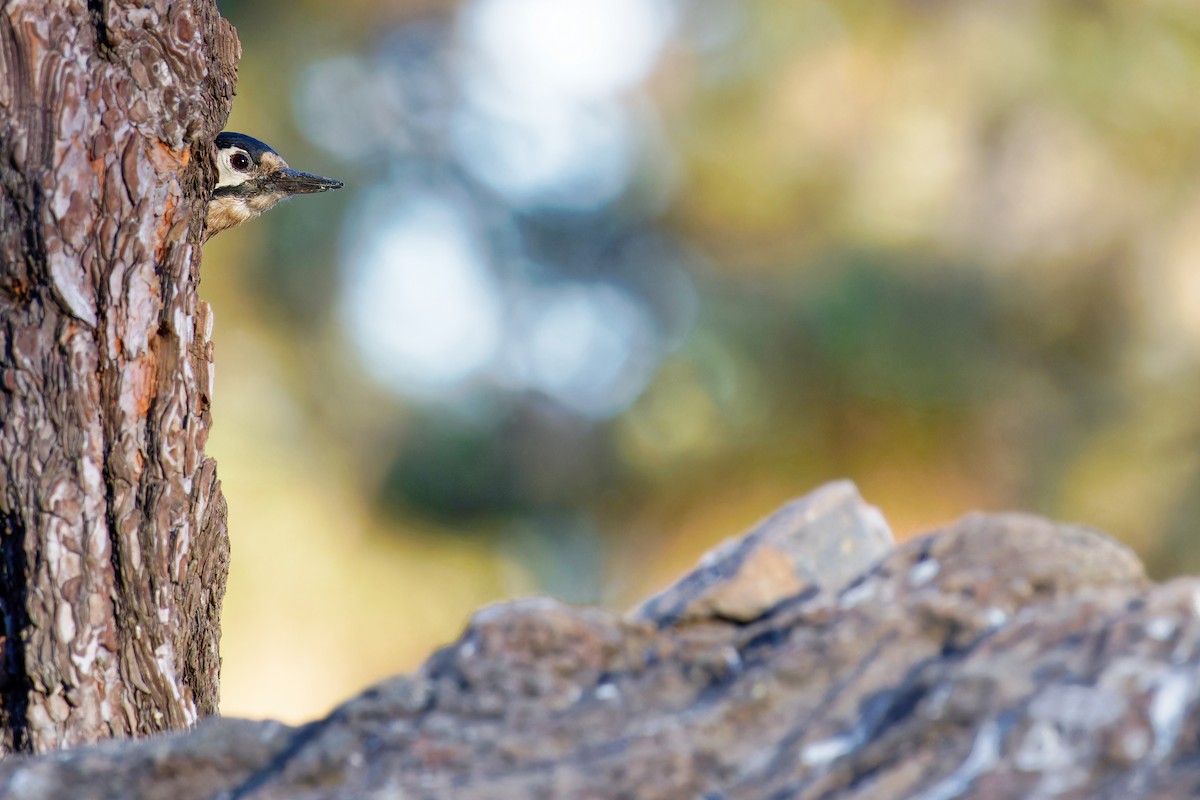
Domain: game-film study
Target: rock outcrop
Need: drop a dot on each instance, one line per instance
(1004, 656)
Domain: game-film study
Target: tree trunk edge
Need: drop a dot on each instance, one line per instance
(113, 530)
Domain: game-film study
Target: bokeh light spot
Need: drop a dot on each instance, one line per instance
(581, 48)
(590, 347)
(420, 303)
(544, 154)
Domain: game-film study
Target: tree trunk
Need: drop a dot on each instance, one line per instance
(113, 548)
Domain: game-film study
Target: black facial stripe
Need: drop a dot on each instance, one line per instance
(244, 189)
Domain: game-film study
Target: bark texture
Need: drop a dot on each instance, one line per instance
(114, 553)
(1005, 657)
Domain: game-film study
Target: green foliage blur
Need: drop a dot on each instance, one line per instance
(949, 250)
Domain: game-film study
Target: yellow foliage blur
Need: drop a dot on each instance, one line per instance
(606, 318)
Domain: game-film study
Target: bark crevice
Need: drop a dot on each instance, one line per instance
(15, 684)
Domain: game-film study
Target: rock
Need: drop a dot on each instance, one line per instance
(1002, 657)
(822, 540)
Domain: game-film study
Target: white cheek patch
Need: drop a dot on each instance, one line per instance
(227, 175)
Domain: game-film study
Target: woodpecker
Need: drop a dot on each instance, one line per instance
(251, 178)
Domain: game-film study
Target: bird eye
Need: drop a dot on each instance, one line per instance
(239, 161)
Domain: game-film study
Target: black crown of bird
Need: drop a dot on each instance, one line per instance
(251, 178)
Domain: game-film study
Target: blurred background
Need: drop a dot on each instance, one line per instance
(612, 279)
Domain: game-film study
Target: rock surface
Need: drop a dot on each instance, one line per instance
(1002, 657)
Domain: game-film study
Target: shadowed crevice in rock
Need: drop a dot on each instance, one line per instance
(1003, 656)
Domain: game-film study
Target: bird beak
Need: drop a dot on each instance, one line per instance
(289, 181)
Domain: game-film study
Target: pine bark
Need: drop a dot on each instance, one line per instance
(113, 545)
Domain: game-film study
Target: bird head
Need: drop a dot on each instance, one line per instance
(251, 178)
